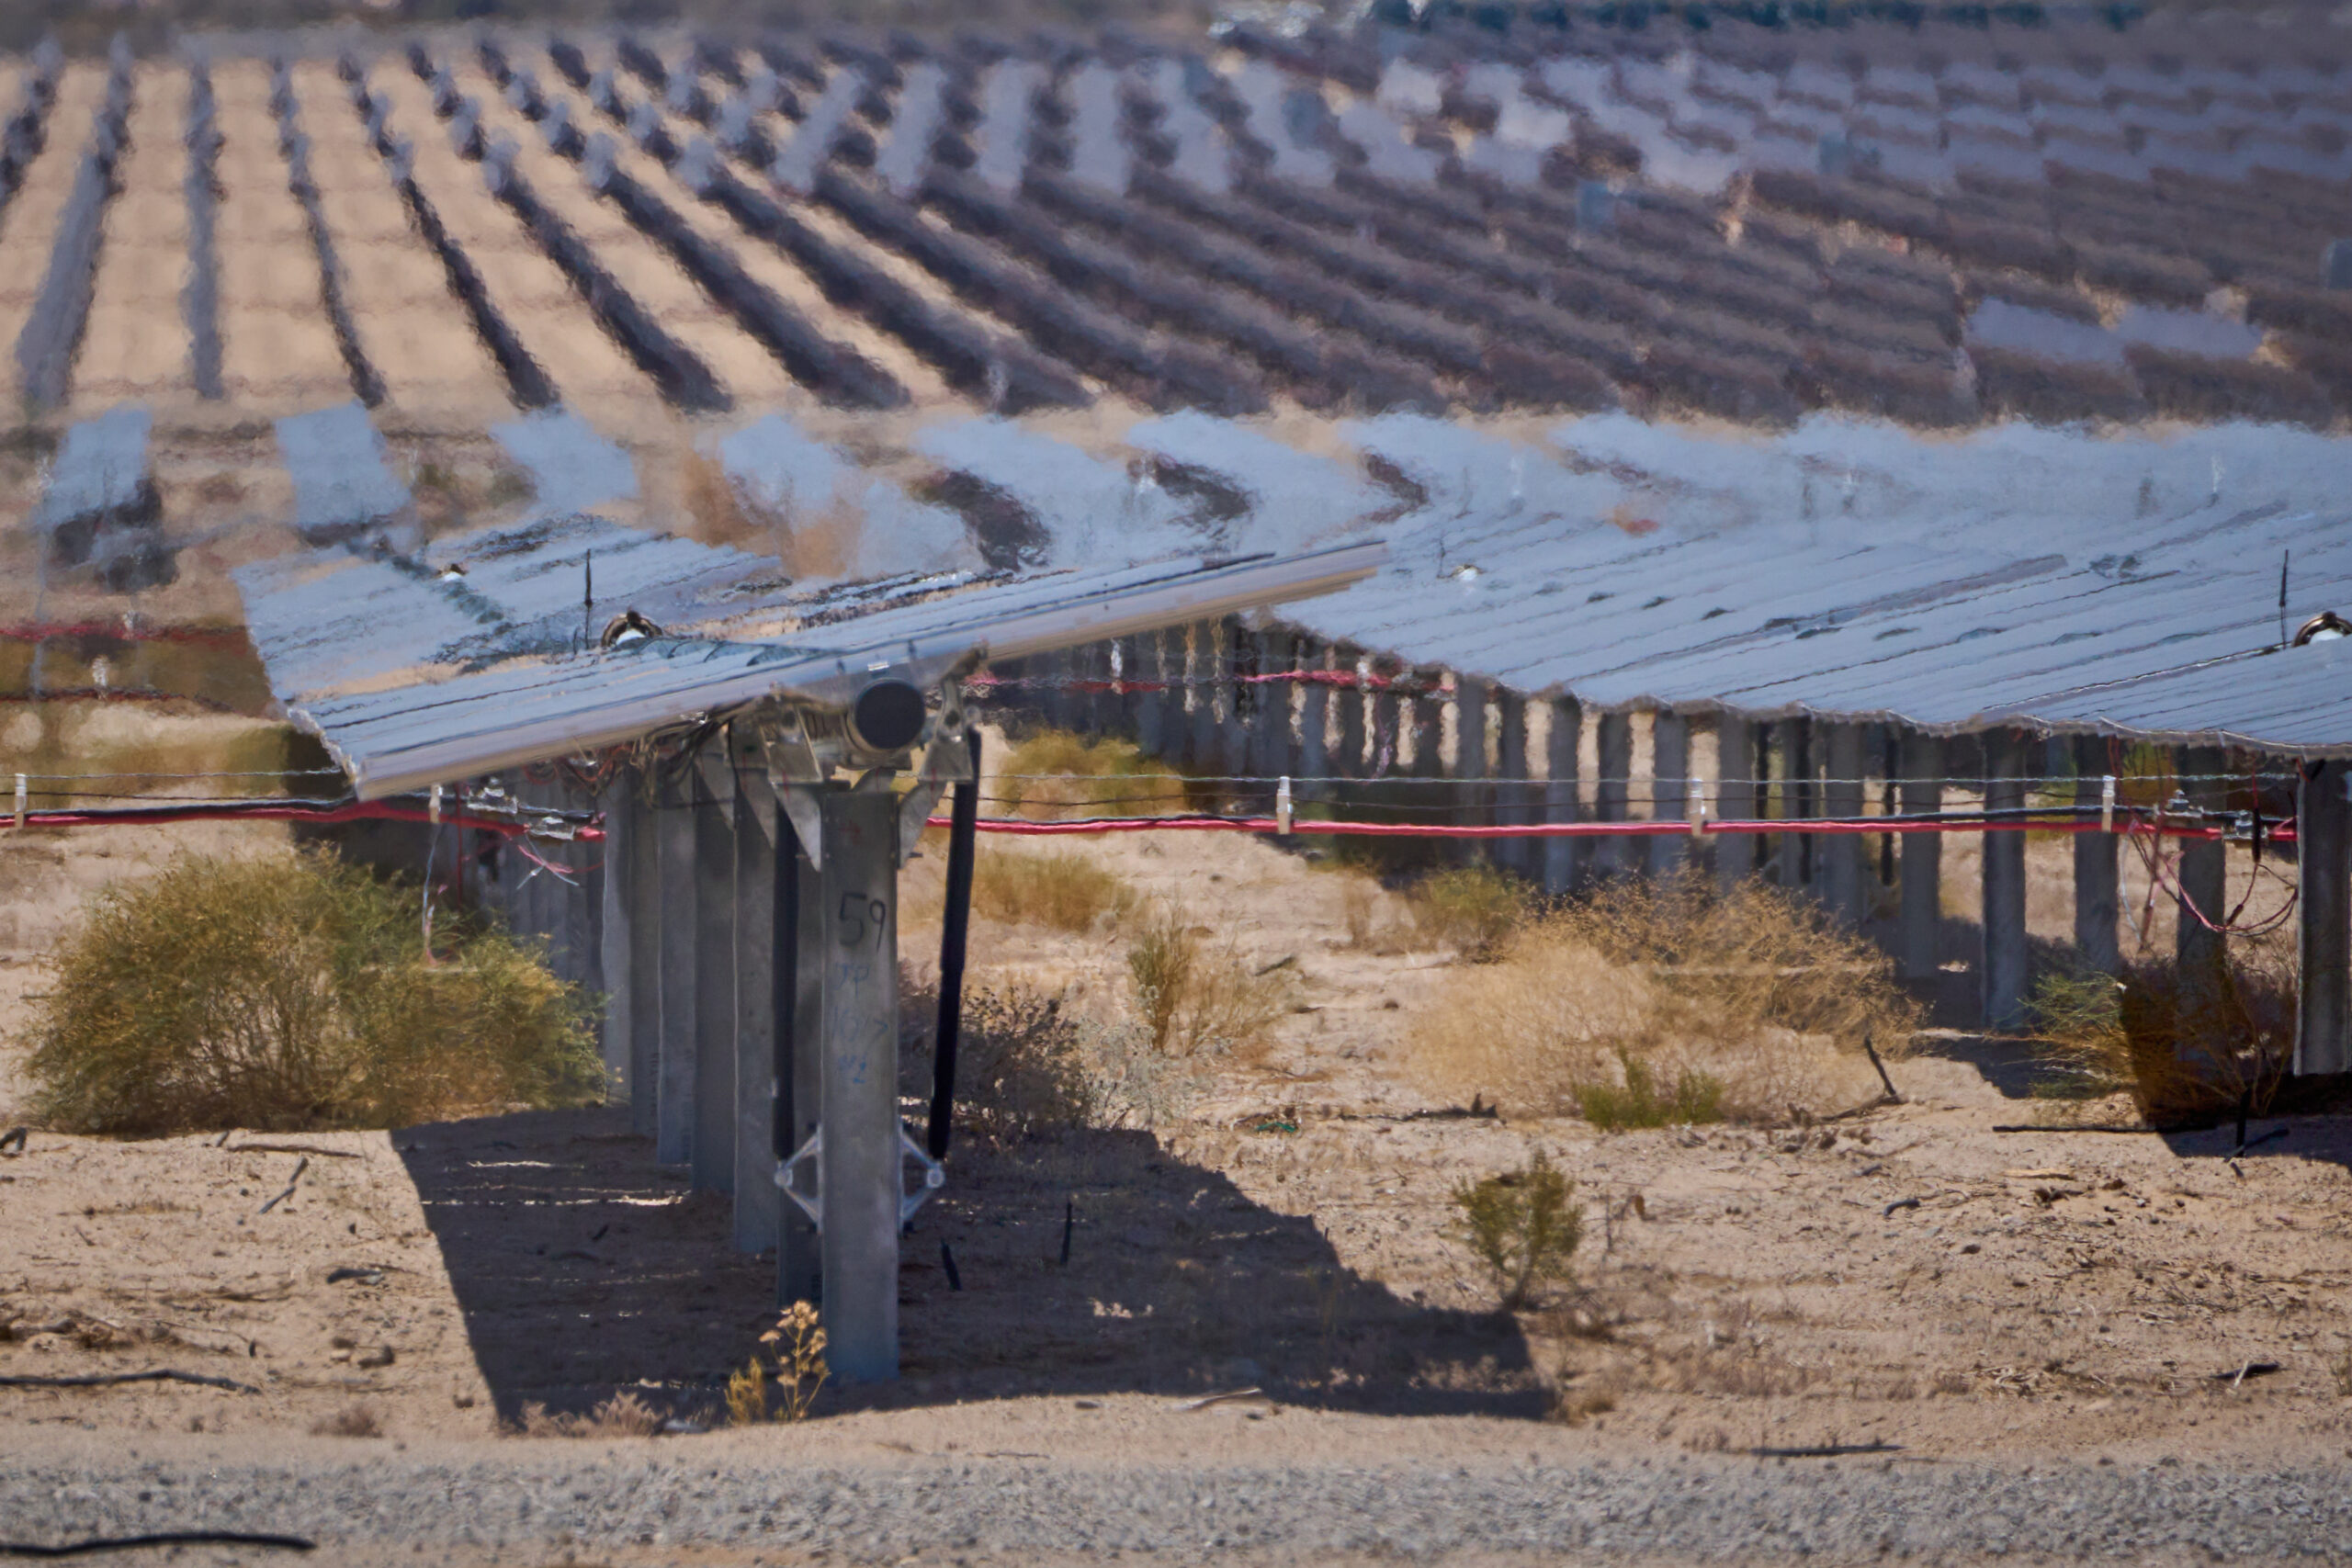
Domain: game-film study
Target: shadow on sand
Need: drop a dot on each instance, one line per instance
(582, 1268)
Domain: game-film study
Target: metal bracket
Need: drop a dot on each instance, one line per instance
(935, 1177)
(946, 760)
(811, 1204)
(795, 773)
(784, 740)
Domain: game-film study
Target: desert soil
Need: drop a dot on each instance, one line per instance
(2033, 1341)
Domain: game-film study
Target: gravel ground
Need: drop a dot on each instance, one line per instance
(634, 1502)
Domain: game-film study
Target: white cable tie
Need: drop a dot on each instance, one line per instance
(1282, 806)
(2107, 803)
(1698, 815)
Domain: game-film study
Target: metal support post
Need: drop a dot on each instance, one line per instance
(1243, 650)
(1800, 798)
(1270, 723)
(1614, 765)
(673, 834)
(713, 1156)
(1149, 652)
(1513, 807)
(757, 1202)
(1670, 790)
(799, 971)
(861, 1153)
(1315, 723)
(2003, 968)
(1348, 760)
(2324, 995)
(1919, 948)
(638, 951)
(2097, 887)
(1840, 855)
(1204, 669)
(623, 842)
(1472, 795)
(2200, 950)
(1735, 799)
(1560, 801)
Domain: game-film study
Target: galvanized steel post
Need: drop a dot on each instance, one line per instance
(638, 950)
(1920, 922)
(623, 833)
(1614, 765)
(800, 952)
(673, 834)
(1150, 653)
(713, 1155)
(1560, 800)
(1670, 790)
(1512, 805)
(2098, 947)
(2002, 971)
(2324, 995)
(2198, 947)
(1315, 723)
(1472, 795)
(860, 1158)
(1734, 798)
(757, 1200)
(1840, 855)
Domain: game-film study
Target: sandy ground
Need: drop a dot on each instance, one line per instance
(2048, 1294)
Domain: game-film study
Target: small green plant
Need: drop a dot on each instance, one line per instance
(291, 991)
(1640, 1102)
(1471, 909)
(801, 1369)
(1523, 1226)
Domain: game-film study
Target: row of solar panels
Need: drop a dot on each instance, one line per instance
(1840, 568)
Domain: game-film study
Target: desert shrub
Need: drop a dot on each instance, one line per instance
(1639, 1101)
(1523, 1226)
(357, 1420)
(623, 1416)
(1749, 1005)
(293, 991)
(1197, 996)
(1056, 774)
(1020, 1069)
(2181, 1047)
(1028, 1064)
(1068, 892)
(1472, 909)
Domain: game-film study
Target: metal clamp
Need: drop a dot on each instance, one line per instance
(935, 1177)
(811, 1204)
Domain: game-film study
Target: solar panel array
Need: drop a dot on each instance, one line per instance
(1742, 222)
(878, 304)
